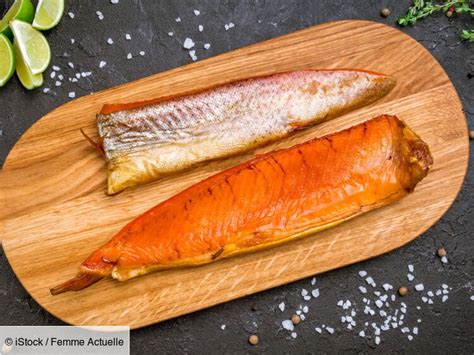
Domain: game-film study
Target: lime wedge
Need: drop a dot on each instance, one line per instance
(27, 78)
(20, 10)
(48, 14)
(33, 46)
(7, 60)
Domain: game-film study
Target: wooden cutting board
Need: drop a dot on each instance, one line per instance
(54, 211)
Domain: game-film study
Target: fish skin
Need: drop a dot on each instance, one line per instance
(145, 141)
(272, 199)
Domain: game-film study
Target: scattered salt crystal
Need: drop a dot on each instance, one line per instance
(353, 313)
(102, 64)
(387, 287)
(315, 293)
(73, 41)
(405, 330)
(362, 289)
(197, 12)
(46, 90)
(340, 303)
(52, 75)
(303, 317)
(411, 268)
(74, 80)
(57, 83)
(60, 77)
(349, 326)
(86, 73)
(330, 330)
(307, 298)
(385, 327)
(298, 312)
(394, 325)
(377, 340)
(370, 281)
(319, 330)
(443, 285)
(294, 335)
(142, 53)
(282, 306)
(438, 292)
(377, 293)
(445, 298)
(364, 300)
(56, 68)
(72, 94)
(415, 330)
(110, 41)
(71, 14)
(116, 2)
(305, 309)
(444, 260)
(393, 298)
(410, 337)
(418, 320)
(207, 45)
(418, 307)
(100, 15)
(362, 334)
(430, 301)
(223, 327)
(229, 26)
(349, 319)
(379, 303)
(304, 292)
(410, 277)
(362, 273)
(288, 325)
(403, 304)
(377, 331)
(383, 313)
(128, 37)
(78, 75)
(404, 310)
(419, 287)
(129, 56)
(178, 19)
(343, 319)
(188, 43)
(430, 293)
(71, 65)
(313, 281)
(383, 298)
(200, 28)
(472, 298)
(170, 34)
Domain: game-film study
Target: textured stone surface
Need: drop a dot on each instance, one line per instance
(445, 327)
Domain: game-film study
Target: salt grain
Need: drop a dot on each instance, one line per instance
(71, 65)
(72, 94)
(319, 330)
(114, 1)
(315, 293)
(60, 77)
(294, 335)
(71, 14)
(128, 37)
(410, 337)
(129, 56)
(415, 330)
(223, 327)
(178, 19)
(313, 281)
(207, 45)
(379, 303)
(411, 268)
(472, 298)
(362, 273)
(362, 289)
(304, 292)
(110, 41)
(302, 317)
(142, 53)
(330, 330)
(46, 90)
(170, 34)
(405, 330)
(444, 260)
(410, 277)
(430, 301)
(288, 325)
(188, 43)
(52, 74)
(377, 340)
(362, 334)
(73, 41)
(387, 287)
(57, 83)
(445, 298)
(430, 293)
(78, 75)
(419, 287)
(100, 15)
(282, 306)
(305, 309)
(197, 12)
(102, 64)
(55, 68)
(340, 303)
(200, 28)
(370, 281)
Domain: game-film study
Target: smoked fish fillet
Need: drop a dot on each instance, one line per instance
(272, 199)
(147, 140)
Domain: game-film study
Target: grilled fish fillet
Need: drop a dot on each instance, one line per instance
(272, 199)
(144, 141)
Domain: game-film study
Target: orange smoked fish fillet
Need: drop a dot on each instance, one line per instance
(145, 141)
(274, 198)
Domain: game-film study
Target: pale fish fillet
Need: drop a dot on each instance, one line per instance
(145, 141)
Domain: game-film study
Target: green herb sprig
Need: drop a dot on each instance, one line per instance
(424, 8)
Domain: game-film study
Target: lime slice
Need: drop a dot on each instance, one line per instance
(7, 60)
(20, 10)
(33, 46)
(27, 78)
(48, 14)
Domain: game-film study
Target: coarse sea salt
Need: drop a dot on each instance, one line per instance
(362, 273)
(319, 330)
(46, 90)
(362, 334)
(188, 43)
(330, 330)
(73, 41)
(362, 289)
(114, 2)
(387, 287)
(472, 298)
(430, 293)
(71, 14)
(288, 325)
(170, 34)
(192, 54)
(223, 327)
(379, 303)
(110, 41)
(200, 28)
(411, 268)
(142, 53)
(304, 292)
(419, 287)
(129, 56)
(57, 83)
(100, 15)
(207, 45)
(313, 281)
(410, 277)
(102, 63)
(282, 306)
(178, 19)
(294, 335)
(56, 68)
(72, 94)
(197, 12)
(444, 299)
(377, 340)
(305, 309)
(71, 65)
(410, 337)
(444, 260)
(128, 37)
(415, 330)
(52, 74)
(315, 293)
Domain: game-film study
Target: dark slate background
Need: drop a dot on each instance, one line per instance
(445, 327)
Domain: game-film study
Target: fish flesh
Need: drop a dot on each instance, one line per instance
(146, 140)
(269, 200)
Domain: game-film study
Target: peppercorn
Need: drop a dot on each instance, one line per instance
(441, 252)
(471, 134)
(385, 12)
(296, 319)
(253, 339)
(402, 291)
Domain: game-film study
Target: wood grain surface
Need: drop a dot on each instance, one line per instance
(54, 211)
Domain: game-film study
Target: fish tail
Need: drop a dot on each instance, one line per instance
(80, 281)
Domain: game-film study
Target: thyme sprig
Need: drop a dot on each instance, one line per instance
(424, 8)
